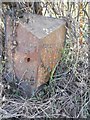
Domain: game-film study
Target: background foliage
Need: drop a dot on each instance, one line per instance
(68, 92)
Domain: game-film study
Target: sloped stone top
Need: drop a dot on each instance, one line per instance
(40, 26)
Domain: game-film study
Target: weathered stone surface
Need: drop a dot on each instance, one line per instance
(39, 45)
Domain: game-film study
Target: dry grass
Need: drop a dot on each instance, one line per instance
(68, 92)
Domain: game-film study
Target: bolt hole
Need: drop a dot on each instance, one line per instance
(28, 59)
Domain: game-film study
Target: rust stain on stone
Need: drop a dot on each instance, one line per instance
(39, 47)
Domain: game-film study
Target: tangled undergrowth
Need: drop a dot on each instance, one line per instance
(68, 92)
